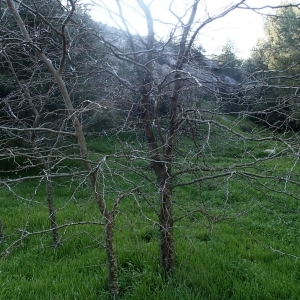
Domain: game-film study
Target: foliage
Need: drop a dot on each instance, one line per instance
(229, 63)
(20, 66)
(281, 49)
(278, 56)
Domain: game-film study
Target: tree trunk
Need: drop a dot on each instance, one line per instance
(111, 255)
(167, 257)
(52, 213)
(1, 232)
(109, 217)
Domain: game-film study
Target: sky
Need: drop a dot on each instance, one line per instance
(242, 27)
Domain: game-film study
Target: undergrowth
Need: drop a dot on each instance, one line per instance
(235, 239)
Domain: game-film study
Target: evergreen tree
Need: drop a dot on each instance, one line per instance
(229, 62)
(277, 57)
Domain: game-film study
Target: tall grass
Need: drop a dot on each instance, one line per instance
(241, 241)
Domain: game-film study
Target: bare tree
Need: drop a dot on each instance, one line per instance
(176, 101)
(39, 90)
(164, 72)
(143, 55)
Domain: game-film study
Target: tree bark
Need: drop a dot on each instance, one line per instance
(109, 217)
(167, 257)
(1, 232)
(111, 255)
(52, 213)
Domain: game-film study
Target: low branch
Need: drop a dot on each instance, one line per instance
(26, 234)
(37, 129)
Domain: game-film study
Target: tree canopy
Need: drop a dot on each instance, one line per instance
(277, 59)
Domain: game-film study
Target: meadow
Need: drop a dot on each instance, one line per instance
(235, 237)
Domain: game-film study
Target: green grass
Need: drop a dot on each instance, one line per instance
(227, 265)
(240, 243)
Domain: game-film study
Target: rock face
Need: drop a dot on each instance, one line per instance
(199, 71)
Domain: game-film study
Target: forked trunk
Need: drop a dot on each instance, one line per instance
(109, 217)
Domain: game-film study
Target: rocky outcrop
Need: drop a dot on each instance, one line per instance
(201, 72)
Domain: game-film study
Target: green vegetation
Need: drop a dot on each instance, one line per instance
(133, 168)
(251, 253)
(277, 56)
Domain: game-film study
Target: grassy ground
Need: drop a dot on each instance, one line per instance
(242, 243)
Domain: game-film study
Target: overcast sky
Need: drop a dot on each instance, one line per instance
(243, 27)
